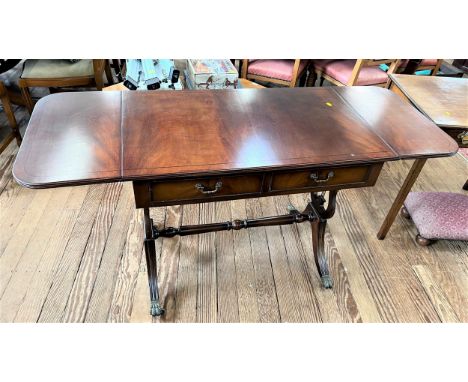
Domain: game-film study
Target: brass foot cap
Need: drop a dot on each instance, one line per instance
(327, 282)
(156, 309)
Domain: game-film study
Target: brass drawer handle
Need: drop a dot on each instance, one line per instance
(463, 137)
(200, 187)
(315, 177)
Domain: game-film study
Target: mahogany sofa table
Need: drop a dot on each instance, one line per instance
(444, 100)
(205, 146)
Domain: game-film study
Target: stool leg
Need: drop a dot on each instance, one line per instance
(422, 241)
(404, 212)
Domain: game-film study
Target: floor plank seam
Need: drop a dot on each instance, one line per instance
(307, 274)
(18, 260)
(79, 265)
(101, 256)
(372, 279)
(442, 320)
(55, 271)
(271, 266)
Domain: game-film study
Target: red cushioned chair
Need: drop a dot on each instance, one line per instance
(281, 72)
(432, 64)
(351, 72)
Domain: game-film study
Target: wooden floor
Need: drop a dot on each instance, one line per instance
(75, 255)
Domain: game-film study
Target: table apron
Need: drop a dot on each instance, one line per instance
(231, 186)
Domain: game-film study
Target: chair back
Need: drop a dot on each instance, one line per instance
(361, 63)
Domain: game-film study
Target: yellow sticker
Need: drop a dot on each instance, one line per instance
(329, 104)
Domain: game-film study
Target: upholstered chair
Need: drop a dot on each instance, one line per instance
(281, 72)
(426, 64)
(62, 74)
(361, 72)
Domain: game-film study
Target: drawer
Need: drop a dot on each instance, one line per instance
(321, 178)
(205, 188)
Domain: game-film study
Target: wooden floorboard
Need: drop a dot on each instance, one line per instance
(76, 255)
(228, 309)
(64, 277)
(78, 299)
(245, 274)
(187, 275)
(43, 278)
(19, 282)
(267, 300)
(106, 274)
(127, 274)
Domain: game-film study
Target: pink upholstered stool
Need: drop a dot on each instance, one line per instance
(437, 215)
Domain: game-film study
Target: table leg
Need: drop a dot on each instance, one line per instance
(318, 233)
(150, 252)
(399, 200)
(315, 213)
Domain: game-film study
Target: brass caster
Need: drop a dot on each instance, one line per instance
(404, 212)
(327, 282)
(422, 241)
(156, 309)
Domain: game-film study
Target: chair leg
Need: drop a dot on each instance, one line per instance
(303, 79)
(99, 83)
(117, 69)
(110, 79)
(321, 80)
(311, 79)
(27, 98)
(11, 118)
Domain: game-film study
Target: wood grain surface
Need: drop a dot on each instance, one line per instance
(96, 137)
(443, 99)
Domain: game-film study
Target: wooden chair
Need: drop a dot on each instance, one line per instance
(281, 72)
(62, 74)
(361, 72)
(11, 118)
(410, 66)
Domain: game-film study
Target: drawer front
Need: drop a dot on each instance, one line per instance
(320, 178)
(205, 188)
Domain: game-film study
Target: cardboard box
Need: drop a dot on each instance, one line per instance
(211, 74)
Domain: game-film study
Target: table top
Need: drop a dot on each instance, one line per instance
(94, 137)
(442, 99)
